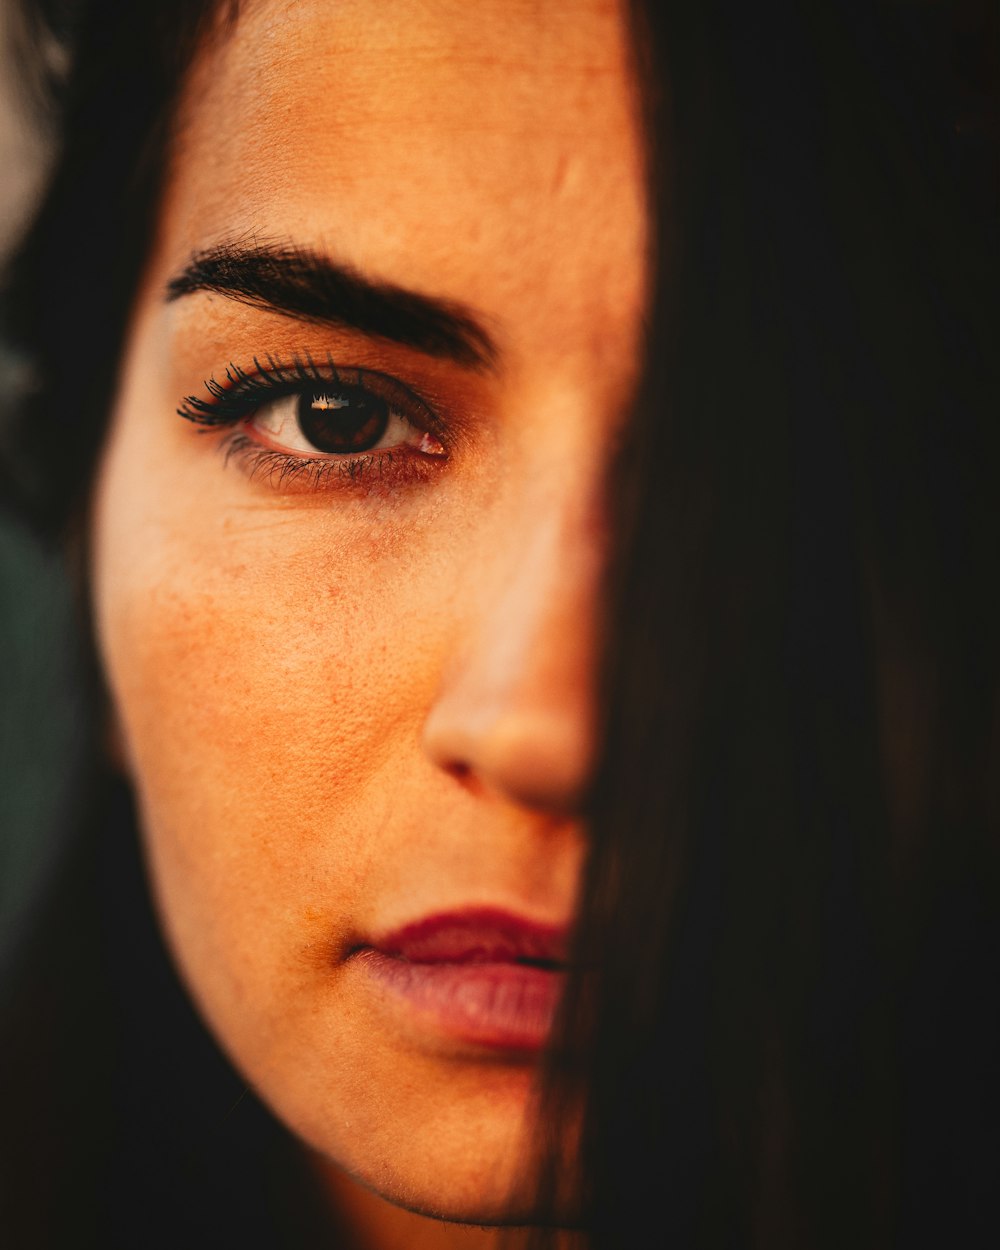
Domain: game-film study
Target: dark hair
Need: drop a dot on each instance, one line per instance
(784, 1025)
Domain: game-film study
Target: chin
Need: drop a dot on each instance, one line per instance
(464, 1157)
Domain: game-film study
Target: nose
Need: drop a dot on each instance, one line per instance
(515, 713)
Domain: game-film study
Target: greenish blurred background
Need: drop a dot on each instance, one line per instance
(40, 708)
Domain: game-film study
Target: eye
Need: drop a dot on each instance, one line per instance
(314, 414)
(338, 419)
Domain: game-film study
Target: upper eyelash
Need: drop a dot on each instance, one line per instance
(233, 400)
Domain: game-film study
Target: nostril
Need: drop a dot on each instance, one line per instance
(465, 775)
(461, 772)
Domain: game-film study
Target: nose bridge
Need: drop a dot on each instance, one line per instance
(542, 616)
(515, 709)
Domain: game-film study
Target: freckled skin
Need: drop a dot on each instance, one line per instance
(346, 709)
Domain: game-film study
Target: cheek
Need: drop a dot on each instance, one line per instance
(271, 669)
(257, 678)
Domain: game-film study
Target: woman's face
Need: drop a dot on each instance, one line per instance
(348, 602)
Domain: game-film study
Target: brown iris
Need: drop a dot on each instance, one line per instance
(342, 419)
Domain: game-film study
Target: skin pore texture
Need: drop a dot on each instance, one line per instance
(352, 699)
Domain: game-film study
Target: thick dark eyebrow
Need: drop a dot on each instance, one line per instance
(299, 283)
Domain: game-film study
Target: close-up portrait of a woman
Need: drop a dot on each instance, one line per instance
(499, 531)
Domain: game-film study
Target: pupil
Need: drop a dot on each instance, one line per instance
(342, 419)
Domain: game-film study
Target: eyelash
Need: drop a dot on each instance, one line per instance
(244, 392)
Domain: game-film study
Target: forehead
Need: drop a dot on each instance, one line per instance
(467, 149)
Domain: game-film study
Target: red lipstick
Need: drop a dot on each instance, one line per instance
(484, 976)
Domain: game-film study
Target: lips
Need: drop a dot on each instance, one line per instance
(483, 976)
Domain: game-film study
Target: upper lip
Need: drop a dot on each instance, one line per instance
(475, 935)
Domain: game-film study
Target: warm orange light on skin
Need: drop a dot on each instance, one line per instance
(346, 709)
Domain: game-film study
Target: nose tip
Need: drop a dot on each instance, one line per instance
(515, 711)
(526, 754)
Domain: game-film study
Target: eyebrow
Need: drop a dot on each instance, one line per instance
(297, 282)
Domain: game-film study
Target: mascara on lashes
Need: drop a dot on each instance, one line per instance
(244, 391)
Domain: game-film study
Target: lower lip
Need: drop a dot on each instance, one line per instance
(503, 1005)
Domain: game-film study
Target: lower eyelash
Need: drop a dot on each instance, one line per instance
(284, 471)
